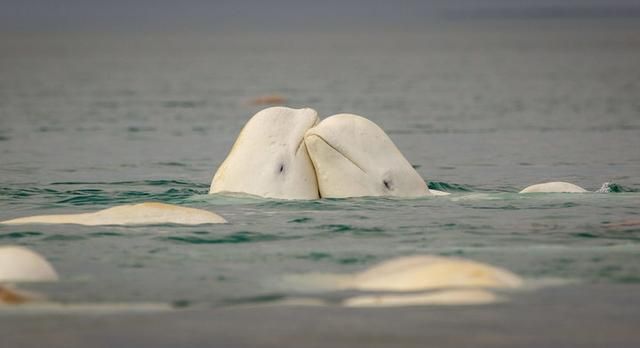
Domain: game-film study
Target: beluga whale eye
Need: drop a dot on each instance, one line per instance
(281, 168)
(387, 183)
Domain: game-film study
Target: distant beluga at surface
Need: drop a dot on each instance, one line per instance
(150, 213)
(421, 272)
(556, 186)
(269, 157)
(403, 281)
(353, 157)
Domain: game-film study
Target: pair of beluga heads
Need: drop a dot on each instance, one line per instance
(290, 154)
(287, 154)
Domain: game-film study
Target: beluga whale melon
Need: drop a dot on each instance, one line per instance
(149, 213)
(269, 157)
(353, 157)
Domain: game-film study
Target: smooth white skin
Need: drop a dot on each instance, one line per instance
(269, 158)
(433, 272)
(354, 157)
(18, 264)
(411, 273)
(557, 186)
(149, 213)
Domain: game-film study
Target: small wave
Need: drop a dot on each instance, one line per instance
(501, 207)
(356, 259)
(448, 187)
(107, 193)
(171, 164)
(88, 200)
(19, 235)
(234, 238)
(556, 205)
(341, 260)
(64, 237)
(350, 229)
(136, 183)
(300, 220)
(106, 234)
(609, 187)
(314, 256)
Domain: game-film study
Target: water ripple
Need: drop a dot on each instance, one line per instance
(19, 235)
(234, 238)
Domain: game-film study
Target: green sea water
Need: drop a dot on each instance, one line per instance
(88, 121)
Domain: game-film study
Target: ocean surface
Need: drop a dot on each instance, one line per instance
(481, 109)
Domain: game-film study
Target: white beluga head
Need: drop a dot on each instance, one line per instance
(19, 264)
(353, 157)
(556, 186)
(269, 158)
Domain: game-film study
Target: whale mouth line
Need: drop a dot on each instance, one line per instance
(300, 145)
(336, 150)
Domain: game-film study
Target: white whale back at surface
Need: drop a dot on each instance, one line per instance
(149, 213)
(433, 272)
(413, 280)
(18, 264)
(354, 157)
(557, 186)
(411, 273)
(269, 157)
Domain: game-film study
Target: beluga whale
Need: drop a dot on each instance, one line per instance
(269, 157)
(20, 265)
(414, 280)
(354, 157)
(556, 186)
(148, 213)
